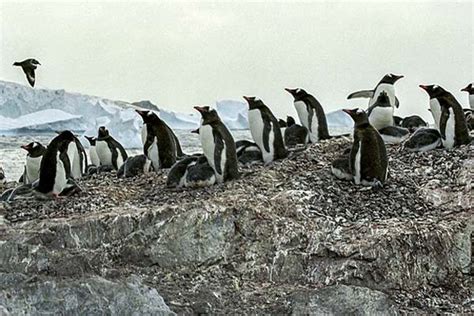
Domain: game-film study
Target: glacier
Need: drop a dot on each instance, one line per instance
(24, 109)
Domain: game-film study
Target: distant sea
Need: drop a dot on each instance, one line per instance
(12, 157)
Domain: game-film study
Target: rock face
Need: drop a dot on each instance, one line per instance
(287, 238)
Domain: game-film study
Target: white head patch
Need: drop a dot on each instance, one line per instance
(359, 111)
(256, 99)
(35, 144)
(298, 90)
(435, 87)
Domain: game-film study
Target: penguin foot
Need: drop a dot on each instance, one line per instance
(377, 185)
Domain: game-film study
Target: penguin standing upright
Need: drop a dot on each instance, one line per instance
(311, 114)
(110, 152)
(470, 90)
(33, 162)
(54, 170)
(265, 130)
(452, 124)
(368, 157)
(92, 151)
(387, 85)
(436, 93)
(218, 145)
(380, 113)
(159, 141)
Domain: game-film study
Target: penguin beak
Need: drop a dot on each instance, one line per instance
(350, 112)
(25, 147)
(200, 109)
(397, 77)
(247, 98)
(195, 131)
(466, 88)
(423, 87)
(291, 91)
(142, 113)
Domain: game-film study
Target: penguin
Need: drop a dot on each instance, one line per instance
(33, 162)
(424, 139)
(380, 113)
(468, 113)
(394, 135)
(341, 168)
(110, 152)
(387, 85)
(452, 125)
(159, 141)
(134, 166)
(470, 90)
(3, 179)
(218, 145)
(54, 169)
(368, 156)
(436, 93)
(178, 172)
(78, 158)
(295, 134)
(92, 151)
(413, 122)
(311, 114)
(29, 66)
(265, 130)
(248, 152)
(199, 174)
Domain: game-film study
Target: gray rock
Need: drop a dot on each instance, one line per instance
(343, 300)
(87, 296)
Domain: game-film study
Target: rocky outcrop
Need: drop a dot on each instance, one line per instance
(261, 244)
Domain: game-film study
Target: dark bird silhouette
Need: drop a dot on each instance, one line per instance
(28, 66)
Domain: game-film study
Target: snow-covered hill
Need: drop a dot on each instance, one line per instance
(27, 109)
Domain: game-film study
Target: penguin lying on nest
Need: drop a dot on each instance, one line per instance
(295, 135)
(248, 152)
(191, 172)
(423, 139)
(134, 166)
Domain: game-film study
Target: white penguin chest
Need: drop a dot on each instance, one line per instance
(302, 112)
(74, 160)
(389, 89)
(153, 154)
(435, 111)
(449, 131)
(144, 133)
(357, 165)
(207, 143)
(256, 128)
(381, 117)
(32, 169)
(104, 153)
(60, 180)
(93, 154)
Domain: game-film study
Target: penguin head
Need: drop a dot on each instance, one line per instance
(34, 62)
(391, 78)
(433, 90)
(254, 102)
(209, 115)
(469, 89)
(34, 148)
(358, 115)
(290, 121)
(91, 139)
(297, 93)
(148, 116)
(62, 140)
(103, 132)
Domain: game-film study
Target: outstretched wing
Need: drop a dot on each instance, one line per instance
(361, 94)
(30, 75)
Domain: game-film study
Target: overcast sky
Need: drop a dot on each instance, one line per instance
(180, 54)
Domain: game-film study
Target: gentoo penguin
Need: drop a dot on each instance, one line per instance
(423, 139)
(436, 93)
(394, 135)
(469, 114)
(248, 152)
(33, 162)
(265, 130)
(387, 85)
(470, 90)
(28, 66)
(110, 152)
(380, 113)
(341, 168)
(368, 157)
(177, 174)
(413, 122)
(92, 151)
(134, 166)
(199, 174)
(295, 134)
(452, 124)
(77, 158)
(54, 168)
(311, 114)
(218, 145)
(159, 142)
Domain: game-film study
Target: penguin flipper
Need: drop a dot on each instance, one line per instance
(267, 128)
(219, 147)
(443, 121)
(361, 94)
(30, 76)
(397, 102)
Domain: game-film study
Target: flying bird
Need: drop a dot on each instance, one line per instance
(28, 66)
